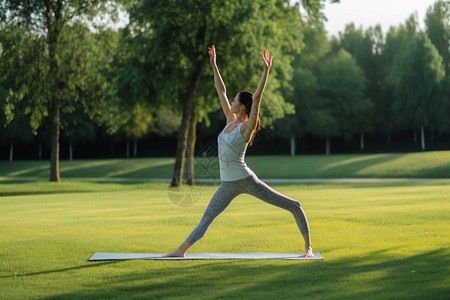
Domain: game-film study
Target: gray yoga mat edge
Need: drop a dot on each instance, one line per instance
(102, 256)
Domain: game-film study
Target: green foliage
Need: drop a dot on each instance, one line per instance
(314, 9)
(304, 98)
(133, 82)
(305, 83)
(55, 77)
(176, 34)
(165, 122)
(77, 126)
(421, 104)
(341, 107)
(393, 47)
(13, 127)
(137, 126)
(19, 64)
(366, 48)
(437, 23)
(330, 93)
(54, 68)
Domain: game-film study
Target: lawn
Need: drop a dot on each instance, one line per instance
(378, 241)
(405, 165)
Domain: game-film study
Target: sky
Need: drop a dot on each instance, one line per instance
(368, 13)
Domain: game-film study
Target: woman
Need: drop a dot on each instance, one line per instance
(236, 178)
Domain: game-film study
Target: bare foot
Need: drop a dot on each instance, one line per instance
(308, 252)
(176, 253)
(180, 252)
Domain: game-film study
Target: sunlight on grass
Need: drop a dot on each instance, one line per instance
(28, 170)
(429, 164)
(143, 166)
(422, 165)
(352, 160)
(82, 165)
(124, 168)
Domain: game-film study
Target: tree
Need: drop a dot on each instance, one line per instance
(437, 21)
(136, 127)
(77, 127)
(305, 81)
(394, 46)
(56, 76)
(341, 105)
(16, 131)
(365, 47)
(421, 105)
(13, 44)
(178, 34)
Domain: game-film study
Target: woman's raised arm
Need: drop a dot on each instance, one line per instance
(254, 113)
(267, 59)
(220, 86)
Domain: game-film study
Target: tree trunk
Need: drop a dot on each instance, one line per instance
(190, 151)
(327, 146)
(422, 138)
(55, 129)
(135, 149)
(389, 134)
(70, 152)
(361, 141)
(11, 152)
(40, 150)
(127, 150)
(54, 25)
(293, 146)
(183, 133)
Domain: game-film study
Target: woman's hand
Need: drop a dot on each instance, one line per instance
(212, 55)
(266, 58)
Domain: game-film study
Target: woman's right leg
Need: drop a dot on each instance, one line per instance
(226, 192)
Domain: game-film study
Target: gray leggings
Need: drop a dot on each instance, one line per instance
(228, 190)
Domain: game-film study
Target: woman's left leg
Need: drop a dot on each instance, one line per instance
(259, 189)
(226, 192)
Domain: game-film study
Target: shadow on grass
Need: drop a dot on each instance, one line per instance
(118, 168)
(25, 168)
(60, 270)
(36, 187)
(443, 171)
(376, 275)
(104, 168)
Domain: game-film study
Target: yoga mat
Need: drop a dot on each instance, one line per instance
(99, 256)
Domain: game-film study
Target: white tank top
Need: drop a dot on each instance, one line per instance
(232, 148)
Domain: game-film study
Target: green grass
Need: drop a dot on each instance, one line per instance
(407, 165)
(379, 242)
(404, 165)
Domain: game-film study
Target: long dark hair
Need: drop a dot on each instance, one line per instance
(246, 98)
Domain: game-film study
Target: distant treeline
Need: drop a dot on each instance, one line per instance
(128, 89)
